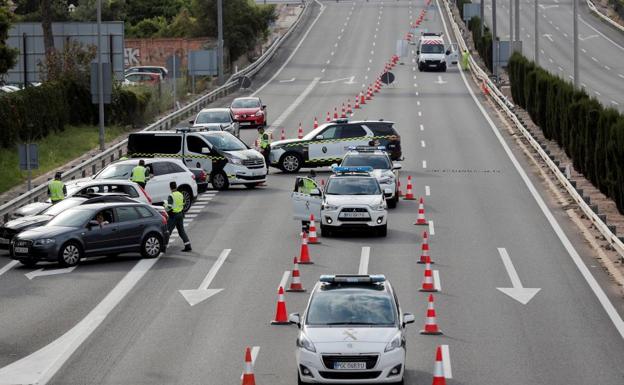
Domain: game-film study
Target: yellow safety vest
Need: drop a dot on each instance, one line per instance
(307, 187)
(56, 190)
(138, 174)
(264, 140)
(178, 202)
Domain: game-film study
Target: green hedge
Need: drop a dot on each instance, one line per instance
(591, 135)
(483, 42)
(37, 112)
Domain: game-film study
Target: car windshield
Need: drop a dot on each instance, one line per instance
(71, 218)
(432, 48)
(116, 171)
(63, 205)
(213, 117)
(246, 103)
(378, 162)
(351, 306)
(225, 141)
(352, 186)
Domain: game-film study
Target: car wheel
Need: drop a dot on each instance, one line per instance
(382, 231)
(220, 181)
(443, 67)
(392, 203)
(188, 198)
(152, 246)
(420, 67)
(28, 262)
(70, 254)
(326, 231)
(290, 162)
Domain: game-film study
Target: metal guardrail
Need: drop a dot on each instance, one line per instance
(606, 18)
(504, 104)
(101, 160)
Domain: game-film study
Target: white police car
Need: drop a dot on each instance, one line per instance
(386, 172)
(352, 331)
(352, 199)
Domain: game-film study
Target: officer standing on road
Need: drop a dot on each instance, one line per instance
(175, 206)
(264, 141)
(57, 189)
(306, 185)
(465, 57)
(139, 174)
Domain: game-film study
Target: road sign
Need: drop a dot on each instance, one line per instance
(174, 62)
(387, 77)
(203, 63)
(108, 83)
(28, 156)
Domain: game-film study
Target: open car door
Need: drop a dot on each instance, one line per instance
(453, 58)
(305, 202)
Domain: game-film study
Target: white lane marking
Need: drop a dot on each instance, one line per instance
(427, 191)
(576, 258)
(620, 75)
(594, 59)
(601, 34)
(418, 102)
(294, 52)
(332, 54)
(195, 296)
(560, 68)
(44, 273)
(254, 354)
(419, 113)
(323, 70)
(284, 280)
(517, 291)
(615, 103)
(446, 361)
(607, 68)
(287, 80)
(422, 128)
(40, 366)
(364, 258)
(437, 284)
(327, 62)
(416, 93)
(370, 60)
(584, 50)
(422, 143)
(294, 104)
(597, 93)
(551, 60)
(424, 164)
(542, 51)
(190, 215)
(8, 267)
(193, 210)
(565, 34)
(431, 228)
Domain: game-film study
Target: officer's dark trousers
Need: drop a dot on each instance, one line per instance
(177, 221)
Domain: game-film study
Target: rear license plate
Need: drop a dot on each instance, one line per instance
(245, 123)
(354, 215)
(21, 250)
(4, 241)
(349, 365)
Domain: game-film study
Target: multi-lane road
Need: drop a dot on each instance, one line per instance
(124, 321)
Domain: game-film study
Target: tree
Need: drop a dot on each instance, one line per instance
(8, 56)
(112, 10)
(46, 24)
(147, 9)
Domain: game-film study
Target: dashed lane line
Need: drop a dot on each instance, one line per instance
(431, 228)
(8, 267)
(424, 164)
(280, 120)
(422, 128)
(284, 280)
(422, 144)
(437, 285)
(427, 191)
(364, 258)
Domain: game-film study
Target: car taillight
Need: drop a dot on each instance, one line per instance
(202, 176)
(165, 217)
(149, 198)
(193, 176)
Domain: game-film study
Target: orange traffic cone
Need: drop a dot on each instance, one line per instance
(248, 375)
(362, 98)
(369, 94)
(424, 256)
(349, 110)
(431, 324)
(438, 369)
(335, 112)
(421, 213)
(304, 255)
(281, 317)
(315, 122)
(409, 195)
(295, 283)
(357, 103)
(312, 237)
(328, 118)
(400, 191)
(343, 112)
(283, 136)
(427, 284)
(484, 88)
(300, 132)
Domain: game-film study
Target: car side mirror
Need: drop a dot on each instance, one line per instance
(192, 122)
(264, 106)
(418, 52)
(448, 52)
(408, 318)
(315, 192)
(396, 166)
(205, 150)
(319, 137)
(295, 318)
(387, 192)
(92, 224)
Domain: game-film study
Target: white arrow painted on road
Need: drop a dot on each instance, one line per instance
(440, 81)
(202, 293)
(548, 6)
(44, 273)
(287, 80)
(587, 38)
(517, 292)
(350, 79)
(548, 36)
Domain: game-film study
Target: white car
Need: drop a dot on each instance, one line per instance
(352, 331)
(352, 199)
(433, 54)
(216, 119)
(162, 171)
(386, 172)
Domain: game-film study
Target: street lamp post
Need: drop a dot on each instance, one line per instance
(536, 32)
(220, 39)
(576, 44)
(100, 74)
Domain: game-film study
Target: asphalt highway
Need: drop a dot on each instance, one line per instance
(124, 320)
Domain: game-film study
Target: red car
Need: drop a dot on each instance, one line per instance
(249, 111)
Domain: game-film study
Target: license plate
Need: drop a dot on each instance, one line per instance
(21, 250)
(354, 215)
(4, 241)
(349, 365)
(245, 123)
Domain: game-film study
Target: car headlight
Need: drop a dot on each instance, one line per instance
(329, 207)
(43, 242)
(236, 117)
(233, 159)
(304, 342)
(259, 113)
(395, 343)
(378, 207)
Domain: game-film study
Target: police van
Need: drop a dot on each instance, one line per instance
(225, 158)
(433, 54)
(329, 143)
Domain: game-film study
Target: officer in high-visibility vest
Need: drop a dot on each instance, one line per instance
(175, 207)
(465, 59)
(264, 141)
(57, 189)
(139, 174)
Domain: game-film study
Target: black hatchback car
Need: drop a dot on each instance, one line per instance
(94, 230)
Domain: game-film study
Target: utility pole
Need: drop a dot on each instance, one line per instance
(576, 45)
(517, 14)
(482, 17)
(510, 22)
(220, 39)
(536, 32)
(494, 42)
(100, 73)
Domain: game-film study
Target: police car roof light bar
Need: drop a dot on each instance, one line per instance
(353, 169)
(367, 148)
(353, 278)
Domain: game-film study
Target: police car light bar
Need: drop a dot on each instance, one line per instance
(353, 169)
(367, 148)
(348, 278)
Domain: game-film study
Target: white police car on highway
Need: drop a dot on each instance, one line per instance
(352, 331)
(386, 172)
(352, 199)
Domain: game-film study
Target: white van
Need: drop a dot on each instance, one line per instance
(433, 54)
(223, 156)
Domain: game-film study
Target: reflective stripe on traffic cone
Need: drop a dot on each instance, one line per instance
(312, 237)
(400, 191)
(357, 103)
(438, 369)
(304, 255)
(424, 256)
(315, 122)
(295, 282)
(281, 317)
(248, 375)
(362, 98)
(283, 136)
(409, 195)
(421, 213)
(431, 324)
(335, 112)
(328, 118)
(300, 132)
(428, 285)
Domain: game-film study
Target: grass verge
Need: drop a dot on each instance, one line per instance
(54, 151)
